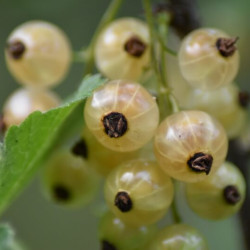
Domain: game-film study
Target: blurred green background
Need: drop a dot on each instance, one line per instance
(37, 222)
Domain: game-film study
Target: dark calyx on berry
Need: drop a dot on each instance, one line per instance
(2, 125)
(226, 46)
(200, 162)
(231, 194)
(107, 246)
(135, 46)
(115, 124)
(61, 193)
(80, 149)
(244, 99)
(123, 201)
(16, 49)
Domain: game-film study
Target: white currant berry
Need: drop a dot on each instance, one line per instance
(223, 104)
(24, 101)
(139, 192)
(189, 145)
(179, 237)
(122, 50)
(38, 54)
(122, 115)
(219, 196)
(68, 180)
(208, 58)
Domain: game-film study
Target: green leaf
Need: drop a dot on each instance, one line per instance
(7, 240)
(26, 146)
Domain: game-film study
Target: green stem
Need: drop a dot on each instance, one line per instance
(108, 16)
(175, 212)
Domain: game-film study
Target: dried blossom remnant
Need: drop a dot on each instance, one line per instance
(115, 124)
(61, 193)
(123, 201)
(80, 149)
(231, 195)
(244, 99)
(184, 15)
(226, 46)
(135, 46)
(107, 246)
(200, 162)
(16, 49)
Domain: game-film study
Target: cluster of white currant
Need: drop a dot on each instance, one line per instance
(123, 140)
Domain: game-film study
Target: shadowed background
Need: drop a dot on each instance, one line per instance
(40, 224)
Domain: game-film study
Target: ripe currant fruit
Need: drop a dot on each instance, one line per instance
(38, 54)
(189, 145)
(122, 115)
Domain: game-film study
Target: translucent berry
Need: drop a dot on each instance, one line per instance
(219, 196)
(208, 58)
(122, 115)
(223, 104)
(68, 180)
(122, 50)
(138, 192)
(104, 160)
(114, 233)
(24, 101)
(179, 236)
(38, 54)
(189, 145)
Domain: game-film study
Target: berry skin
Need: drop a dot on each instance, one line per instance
(138, 192)
(38, 54)
(24, 101)
(189, 145)
(208, 59)
(114, 232)
(104, 160)
(122, 115)
(219, 196)
(68, 180)
(178, 236)
(223, 104)
(122, 50)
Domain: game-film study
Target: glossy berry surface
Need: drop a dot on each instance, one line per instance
(68, 180)
(219, 196)
(24, 101)
(38, 54)
(120, 236)
(223, 104)
(179, 237)
(189, 145)
(122, 49)
(202, 63)
(104, 160)
(138, 192)
(122, 115)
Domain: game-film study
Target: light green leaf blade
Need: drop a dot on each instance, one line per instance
(26, 145)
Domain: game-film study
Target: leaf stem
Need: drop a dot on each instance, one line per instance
(108, 16)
